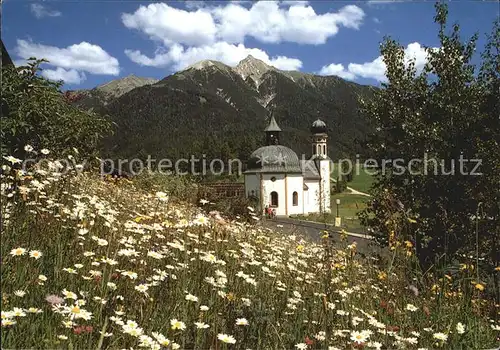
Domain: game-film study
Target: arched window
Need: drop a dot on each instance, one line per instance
(274, 199)
(295, 198)
(324, 149)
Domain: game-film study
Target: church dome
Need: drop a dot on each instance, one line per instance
(318, 127)
(274, 159)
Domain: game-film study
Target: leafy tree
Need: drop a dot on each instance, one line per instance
(447, 112)
(35, 112)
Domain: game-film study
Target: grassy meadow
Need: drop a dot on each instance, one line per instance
(93, 264)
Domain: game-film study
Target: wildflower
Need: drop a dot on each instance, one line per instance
(35, 254)
(69, 270)
(34, 310)
(191, 297)
(203, 201)
(225, 338)
(201, 325)
(45, 151)
(20, 293)
(176, 324)
(83, 231)
(102, 242)
(162, 196)
(6, 322)
(440, 336)
(18, 252)
(204, 308)
(301, 346)
(18, 312)
(479, 287)
(62, 337)
(201, 220)
(161, 339)
(141, 288)
(69, 295)
(359, 337)
(241, 322)
(460, 328)
(130, 274)
(12, 160)
(54, 299)
(411, 307)
(28, 148)
(42, 278)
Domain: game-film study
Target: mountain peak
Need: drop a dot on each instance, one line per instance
(252, 67)
(207, 63)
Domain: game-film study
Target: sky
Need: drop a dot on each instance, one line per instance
(89, 43)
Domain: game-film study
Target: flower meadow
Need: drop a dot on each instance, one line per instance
(93, 264)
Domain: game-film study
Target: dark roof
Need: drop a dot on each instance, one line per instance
(318, 127)
(274, 159)
(273, 126)
(6, 60)
(310, 169)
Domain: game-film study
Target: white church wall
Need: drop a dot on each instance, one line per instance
(295, 183)
(278, 185)
(312, 201)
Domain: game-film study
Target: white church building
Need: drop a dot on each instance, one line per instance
(277, 178)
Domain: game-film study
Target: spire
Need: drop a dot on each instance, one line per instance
(272, 132)
(273, 126)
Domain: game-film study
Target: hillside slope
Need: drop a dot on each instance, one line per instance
(214, 109)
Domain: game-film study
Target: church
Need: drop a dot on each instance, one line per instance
(277, 178)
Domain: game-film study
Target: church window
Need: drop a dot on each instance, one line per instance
(295, 198)
(274, 199)
(324, 149)
(273, 179)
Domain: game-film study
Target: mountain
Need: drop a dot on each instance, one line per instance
(102, 94)
(221, 111)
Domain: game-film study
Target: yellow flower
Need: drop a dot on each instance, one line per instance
(408, 244)
(382, 275)
(413, 221)
(479, 287)
(300, 248)
(497, 268)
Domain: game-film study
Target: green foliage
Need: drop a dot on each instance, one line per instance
(188, 113)
(35, 112)
(447, 111)
(180, 187)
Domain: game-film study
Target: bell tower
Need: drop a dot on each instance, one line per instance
(319, 139)
(272, 133)
(320, 156)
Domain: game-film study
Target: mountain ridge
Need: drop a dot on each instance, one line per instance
(214, 109)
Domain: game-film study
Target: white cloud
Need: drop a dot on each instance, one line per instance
(376, 69)
(81, 57)
(171, 25)
(40, 11)
(338, 70)
(70, 76)
(179, 57)
(266, 21)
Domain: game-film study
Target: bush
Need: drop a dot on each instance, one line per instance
(36, 113)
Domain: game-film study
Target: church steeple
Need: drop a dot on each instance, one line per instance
(272, 132)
